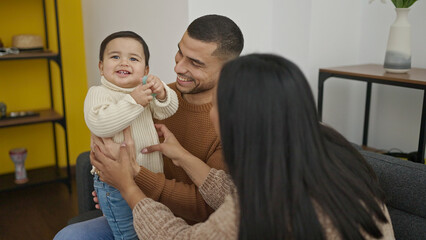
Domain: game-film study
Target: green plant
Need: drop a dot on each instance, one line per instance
(400, 3)
(403, 3)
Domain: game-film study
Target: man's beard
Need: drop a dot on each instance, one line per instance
(194, 90)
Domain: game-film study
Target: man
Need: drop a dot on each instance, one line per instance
(208, 43)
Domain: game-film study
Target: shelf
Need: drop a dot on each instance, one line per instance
(371, 149)
(30, 55)
(45, 115)
(51, 173)
(35, 177)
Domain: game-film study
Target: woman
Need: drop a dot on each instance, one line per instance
(294, 178)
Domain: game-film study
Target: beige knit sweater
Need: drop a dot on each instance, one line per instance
(153, 220)
(109, 109)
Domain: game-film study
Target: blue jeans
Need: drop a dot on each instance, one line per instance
(94, 229)
(116, 210)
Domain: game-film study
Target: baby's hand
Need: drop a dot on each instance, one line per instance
(157, 87)
(142, 94)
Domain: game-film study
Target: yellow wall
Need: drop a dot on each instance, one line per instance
(24, 83)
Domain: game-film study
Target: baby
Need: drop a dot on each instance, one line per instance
(128, 96)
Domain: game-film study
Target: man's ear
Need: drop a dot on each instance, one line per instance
(101, 68)
(146, 70)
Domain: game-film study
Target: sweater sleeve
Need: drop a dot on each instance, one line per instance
(183, 199)
(153, 220)
(162, 110)
(216, 187)
(104, 117)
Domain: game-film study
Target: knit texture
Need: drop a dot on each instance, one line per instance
(109, 109)
(217, 181)
(192, 127)
(153, 220)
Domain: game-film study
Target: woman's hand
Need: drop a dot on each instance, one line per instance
(118, 173)
(170, 147)
(96, 200)
(112, 150)
(107, 146)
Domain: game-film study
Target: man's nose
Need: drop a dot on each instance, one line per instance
(180, 66)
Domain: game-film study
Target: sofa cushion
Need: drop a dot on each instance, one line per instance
(84, 182)
(407, 226)
(404, 183)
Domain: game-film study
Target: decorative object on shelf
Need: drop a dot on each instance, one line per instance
(13, 115)
(3, 109)
(23, 114)
(27, 42)
(18, 156)
(398, 50)
(5, 51)
(1, 44)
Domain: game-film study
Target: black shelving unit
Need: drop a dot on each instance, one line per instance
(52, 173)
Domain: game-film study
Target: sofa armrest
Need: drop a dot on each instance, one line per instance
(84, 182)
(404, 184)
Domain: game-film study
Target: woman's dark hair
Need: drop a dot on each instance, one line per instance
(287, 167)
(124, 34)
(220, 30)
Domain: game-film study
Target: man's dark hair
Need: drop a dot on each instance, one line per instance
(220, 30)
(124, 34)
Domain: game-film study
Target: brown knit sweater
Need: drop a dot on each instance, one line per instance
(153, 220)
(193, 129)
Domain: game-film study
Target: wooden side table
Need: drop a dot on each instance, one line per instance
(375, 73)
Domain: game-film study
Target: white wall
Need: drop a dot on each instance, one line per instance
(312, 33)
(263, 24)
(334, 41)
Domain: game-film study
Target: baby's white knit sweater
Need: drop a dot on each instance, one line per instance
(109, 109)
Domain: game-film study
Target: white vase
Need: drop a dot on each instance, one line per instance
(398, 51)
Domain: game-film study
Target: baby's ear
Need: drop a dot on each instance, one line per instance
(146, 70)
(101, 68)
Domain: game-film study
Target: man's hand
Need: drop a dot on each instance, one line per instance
(142, 93)
(196, 169)
(170, 147)
(157, 87)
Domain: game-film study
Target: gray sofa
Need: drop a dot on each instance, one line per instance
(404, 183)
